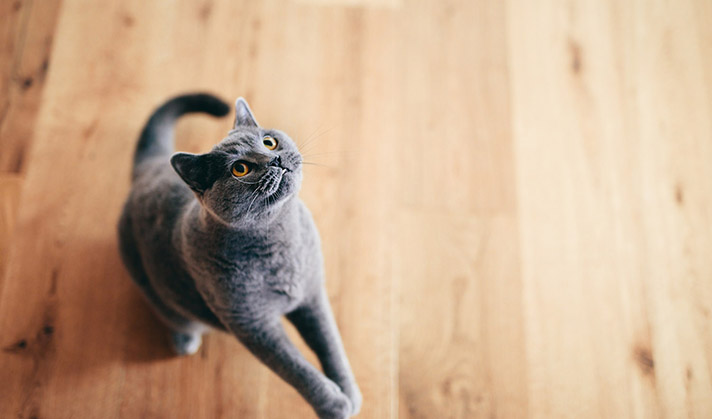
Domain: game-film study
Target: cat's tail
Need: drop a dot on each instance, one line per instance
(157, 136)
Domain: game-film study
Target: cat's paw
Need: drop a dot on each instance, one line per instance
(354, 395)
(349, 387)
(185, 343)
(336, 405)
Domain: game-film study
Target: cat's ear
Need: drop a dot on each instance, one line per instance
(199, 171)
(243, 114)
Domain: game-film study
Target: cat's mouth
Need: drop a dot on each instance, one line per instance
(273, 184)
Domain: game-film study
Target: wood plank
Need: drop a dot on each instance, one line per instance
(10, 187)
(356, 3)
(26, 39)
(461, 337)
(119, 364)
(611, 122)
(514, 201)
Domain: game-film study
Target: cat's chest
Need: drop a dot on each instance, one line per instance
(253, 282)
(279, 268)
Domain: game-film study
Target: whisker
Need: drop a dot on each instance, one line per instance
(253, 200)
(314, 135)
(317, 164)
(320, 153)
(311, 140)
(246, 183)
(308, 139)
(325, 154)
(308, 147)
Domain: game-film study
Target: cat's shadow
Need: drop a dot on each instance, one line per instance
(146, 338)
(91, 320)
(134, 333)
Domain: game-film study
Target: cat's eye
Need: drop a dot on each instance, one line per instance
(240, 169)
(269, 142)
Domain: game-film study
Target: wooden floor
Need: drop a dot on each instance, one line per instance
(515, 200)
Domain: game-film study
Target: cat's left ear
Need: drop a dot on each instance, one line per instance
(243, 114)
(199, 171)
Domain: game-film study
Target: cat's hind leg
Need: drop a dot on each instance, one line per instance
(186, 343)
(185, 335)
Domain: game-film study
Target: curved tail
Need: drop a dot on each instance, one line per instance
(157, 136)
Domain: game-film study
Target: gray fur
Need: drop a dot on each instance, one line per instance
(211, 250)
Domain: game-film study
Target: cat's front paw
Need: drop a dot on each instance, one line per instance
(185, 343)
(336, 405)
(354, 395)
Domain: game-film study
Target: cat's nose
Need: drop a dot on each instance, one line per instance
(277, 161)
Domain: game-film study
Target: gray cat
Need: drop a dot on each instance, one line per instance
(226, 243)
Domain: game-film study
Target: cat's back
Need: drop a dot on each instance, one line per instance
(157, 198)
(155, 203)
(147, 240)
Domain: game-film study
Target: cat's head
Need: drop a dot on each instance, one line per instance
(247, 176)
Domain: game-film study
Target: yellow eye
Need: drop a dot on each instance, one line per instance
(269, 142)
(240, 169)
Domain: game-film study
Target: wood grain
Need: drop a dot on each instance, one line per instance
(515, 201)
(10, 188)
(611, 182)
(26, 41)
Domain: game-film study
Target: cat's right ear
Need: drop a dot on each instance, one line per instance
(196, 170)
(243, 115)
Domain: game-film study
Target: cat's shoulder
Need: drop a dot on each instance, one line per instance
(304, 216)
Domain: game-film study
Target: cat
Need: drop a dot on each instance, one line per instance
(221, 240)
